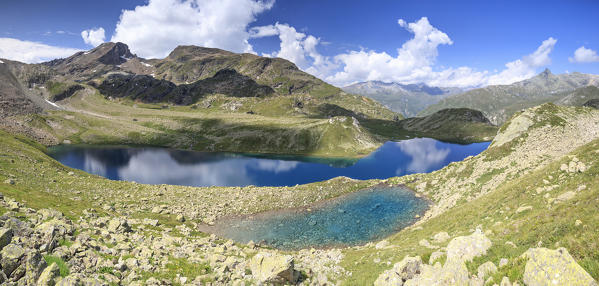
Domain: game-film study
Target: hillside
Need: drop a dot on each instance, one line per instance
(407, 99)
(190, 74)
(500, 102)
(470, 125)
(527, 205)
(580, 96)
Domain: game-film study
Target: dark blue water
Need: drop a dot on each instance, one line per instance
(350, 220)
(175, 167)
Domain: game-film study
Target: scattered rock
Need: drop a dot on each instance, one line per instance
(503, 262)
(556, 267)
(11, 256)
(486, 269)
(118, 225)
(578, 222)
(523, 209)
(467, 247)
(272, 268)
(401, 271)
(441, 237)
(565, 196)
(382, 244)
(5, 237)
(435, 256)
(425, 243)
(50, 276)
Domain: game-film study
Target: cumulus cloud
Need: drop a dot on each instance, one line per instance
(526, 67)
(584, 55)
(414, 62)
(93, 37)
(155, 29)
(31, 52)
(296, 47)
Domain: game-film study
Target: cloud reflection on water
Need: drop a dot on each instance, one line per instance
(425, 154)
(158, 167)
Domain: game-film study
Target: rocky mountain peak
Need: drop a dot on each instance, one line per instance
(546, 73)
(113, 53)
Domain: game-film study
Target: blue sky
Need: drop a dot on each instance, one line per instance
(463, 43)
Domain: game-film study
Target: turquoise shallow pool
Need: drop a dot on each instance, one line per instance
(350, 220)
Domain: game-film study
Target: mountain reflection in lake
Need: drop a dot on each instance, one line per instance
(191, 168)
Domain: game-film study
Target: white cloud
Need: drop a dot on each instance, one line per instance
(584, 55)
(31, 52)
(296, 47)
(524, 68)
(93, 37)
(155, 29)
(414, 63)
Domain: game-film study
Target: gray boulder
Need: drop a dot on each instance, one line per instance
(272, 268)
(6, 235)
(11, 257)
(50, 276)
(406, 269)
(467, 247)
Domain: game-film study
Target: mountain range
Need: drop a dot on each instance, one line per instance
(407, 99)
(190, 74)
(500, 102)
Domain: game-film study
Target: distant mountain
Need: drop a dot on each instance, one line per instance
(15, 96)
(580, 96)
(407, 99)
(499, 102)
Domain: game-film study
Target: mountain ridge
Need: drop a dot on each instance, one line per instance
(407, 99)
(499, 102)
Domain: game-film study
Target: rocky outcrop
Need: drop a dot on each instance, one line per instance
(554, 267)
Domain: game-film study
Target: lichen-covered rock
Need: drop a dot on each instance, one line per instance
(118, 225)
(50, 276)
(486, 269)
(34, 265)
(406, 269)
(467, 247)
(11, 255)
(454, 272)
(554, 267)
(272, 268)
(5, 237)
